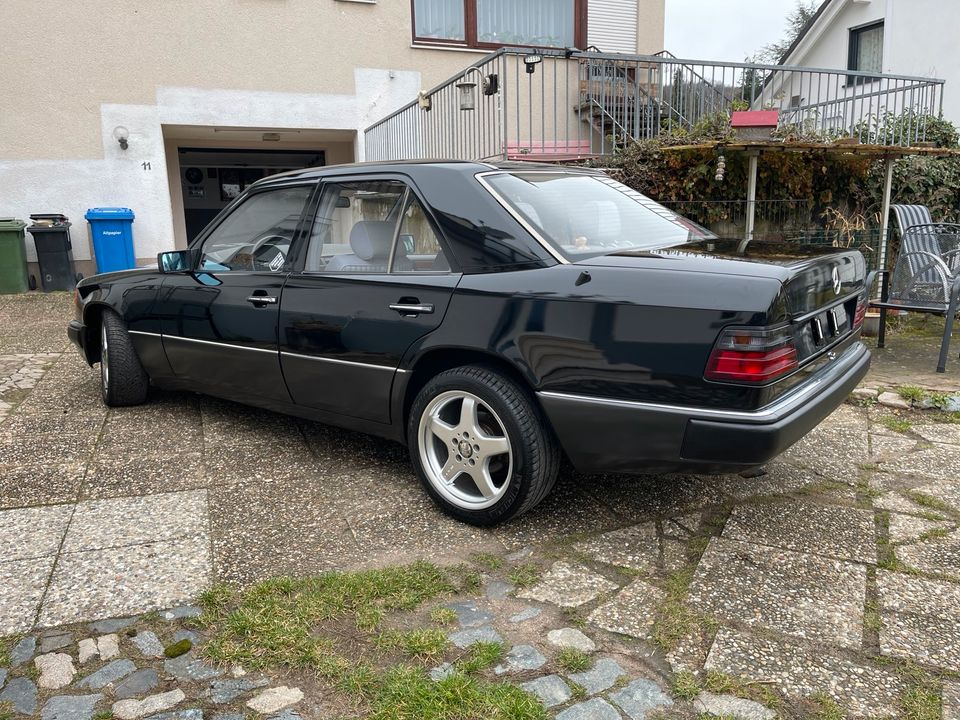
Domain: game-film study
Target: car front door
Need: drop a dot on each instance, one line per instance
(219, 321)
(373, 278)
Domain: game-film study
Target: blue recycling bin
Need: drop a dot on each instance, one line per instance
(112, 233)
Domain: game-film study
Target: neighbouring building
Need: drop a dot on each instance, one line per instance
(894, 37)
(210, 95)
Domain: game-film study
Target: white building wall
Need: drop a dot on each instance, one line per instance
(138, 177)
(919, 40)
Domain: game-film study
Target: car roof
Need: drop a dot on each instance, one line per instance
(413, 167)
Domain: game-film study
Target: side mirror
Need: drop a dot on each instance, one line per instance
(175, 261)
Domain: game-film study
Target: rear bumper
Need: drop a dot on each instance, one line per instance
(603, 435)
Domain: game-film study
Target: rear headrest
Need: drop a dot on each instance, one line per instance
(371, 239)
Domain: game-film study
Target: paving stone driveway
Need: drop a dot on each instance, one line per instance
(844, 554)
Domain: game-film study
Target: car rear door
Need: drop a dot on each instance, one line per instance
(372, 278)
(219, 321)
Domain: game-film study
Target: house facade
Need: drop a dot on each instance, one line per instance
(171, 109)
(897, 37)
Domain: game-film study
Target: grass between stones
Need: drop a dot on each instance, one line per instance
(6, 711)
(571, 660)
(335, 626)
(892, 422)
(6, 645)
(524, 575)
(922, 698)
(487, 561)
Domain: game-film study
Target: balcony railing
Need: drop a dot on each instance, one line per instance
(564, 105)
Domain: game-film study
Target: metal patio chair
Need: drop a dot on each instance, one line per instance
(925, 278)
(910, 215)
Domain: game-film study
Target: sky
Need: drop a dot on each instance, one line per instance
(723, 29)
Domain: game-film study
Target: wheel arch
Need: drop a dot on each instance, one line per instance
(440, 359)
(92, 321)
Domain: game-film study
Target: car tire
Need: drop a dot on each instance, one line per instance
(123, 380)
(481, 446)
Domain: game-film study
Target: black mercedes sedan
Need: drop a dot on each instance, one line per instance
(495, 318)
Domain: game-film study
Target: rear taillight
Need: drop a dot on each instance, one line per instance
(748, 355)
(861, 311)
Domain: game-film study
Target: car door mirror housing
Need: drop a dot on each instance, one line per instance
(175, 261)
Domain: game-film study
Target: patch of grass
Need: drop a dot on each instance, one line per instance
(675, 619)
(891, 422)
(216, 599)
(6, 645)
(103, 715)
(525, 574)
(577, 691)
(443, 616)
(407, 693)
(481, 656)
(723, 684)
(685, 686)
(487, 560)
(6, 711)
(871, 617)
(922, 698)
(911, 393)
(928, 501)
(422, 643)
(468, 579)
(933, 534)
(275, 622)
(571, 660)
(826, 708)
(574, 617)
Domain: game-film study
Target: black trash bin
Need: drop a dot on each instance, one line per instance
(51, 236)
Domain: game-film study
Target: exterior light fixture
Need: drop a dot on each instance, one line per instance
(467, 99)
(122, 136)
(531, 61)
(489, 85)
(423, 100)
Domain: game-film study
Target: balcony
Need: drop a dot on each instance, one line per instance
(569, 105)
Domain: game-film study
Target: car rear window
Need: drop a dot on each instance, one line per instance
(583, 216)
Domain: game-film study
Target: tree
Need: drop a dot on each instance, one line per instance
(773, 53)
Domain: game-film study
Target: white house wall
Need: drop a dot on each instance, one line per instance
(919, 40)
(138, 177)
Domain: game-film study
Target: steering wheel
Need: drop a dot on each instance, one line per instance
(268, 253)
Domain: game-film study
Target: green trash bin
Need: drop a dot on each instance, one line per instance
(13, 257)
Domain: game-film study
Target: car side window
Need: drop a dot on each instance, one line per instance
(355, 227)
(418, 248)
(258, 234)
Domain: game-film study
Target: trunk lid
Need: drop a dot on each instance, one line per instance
(821, 286)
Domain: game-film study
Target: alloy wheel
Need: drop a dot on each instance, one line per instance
(465, 451)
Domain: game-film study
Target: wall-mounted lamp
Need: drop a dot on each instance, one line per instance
(423, 100)
(531, 61)
(122, 136)
(489, 84)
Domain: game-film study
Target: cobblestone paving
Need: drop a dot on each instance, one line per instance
(820, 579)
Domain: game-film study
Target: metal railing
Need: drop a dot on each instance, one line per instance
(564, 105)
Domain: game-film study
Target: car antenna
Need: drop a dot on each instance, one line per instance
(583, 279)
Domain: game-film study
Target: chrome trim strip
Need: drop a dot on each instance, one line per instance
(482, 179)
(827, 307)
(340, 362)
(288, 354)
(771, 413)
(218, 344)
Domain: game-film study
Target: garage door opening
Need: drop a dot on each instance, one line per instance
(210, 178)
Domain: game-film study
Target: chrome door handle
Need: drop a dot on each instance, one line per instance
(265, 299)
(412, 309)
